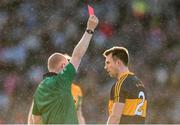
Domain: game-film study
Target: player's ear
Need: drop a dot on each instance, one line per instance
(119, 62)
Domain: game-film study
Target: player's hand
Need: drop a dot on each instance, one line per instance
(92, 22)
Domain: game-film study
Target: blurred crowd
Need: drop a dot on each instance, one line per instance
(31, 30)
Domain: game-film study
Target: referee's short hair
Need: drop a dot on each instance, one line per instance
(118, 52)
(54, 60)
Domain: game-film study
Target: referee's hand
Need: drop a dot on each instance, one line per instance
(92, 22)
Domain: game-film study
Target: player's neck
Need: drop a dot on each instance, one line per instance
(122, 70)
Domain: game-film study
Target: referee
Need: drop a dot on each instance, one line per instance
(128, 100)
(53, 102)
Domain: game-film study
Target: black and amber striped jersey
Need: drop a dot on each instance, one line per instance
(77, 95)
(130, 91)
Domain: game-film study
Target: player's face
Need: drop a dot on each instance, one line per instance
(111, 66)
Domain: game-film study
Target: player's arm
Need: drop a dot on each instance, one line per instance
(81, 118)
(34, 119)
(83, 44)
(116, 114)
(118, 106)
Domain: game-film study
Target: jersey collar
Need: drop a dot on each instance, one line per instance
(125, 73)
(49, 74)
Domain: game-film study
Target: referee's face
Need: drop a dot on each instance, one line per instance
(111, 66)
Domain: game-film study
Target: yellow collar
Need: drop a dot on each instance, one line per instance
(125, 73)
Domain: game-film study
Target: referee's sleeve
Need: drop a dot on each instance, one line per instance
(35, 110)
(68, 72)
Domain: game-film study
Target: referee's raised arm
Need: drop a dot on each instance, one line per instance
(83, 44)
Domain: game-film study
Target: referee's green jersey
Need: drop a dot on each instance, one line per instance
(53, 99)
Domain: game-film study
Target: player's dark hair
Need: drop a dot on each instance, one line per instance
(118, 52)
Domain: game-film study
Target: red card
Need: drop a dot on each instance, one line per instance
(91, 10)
